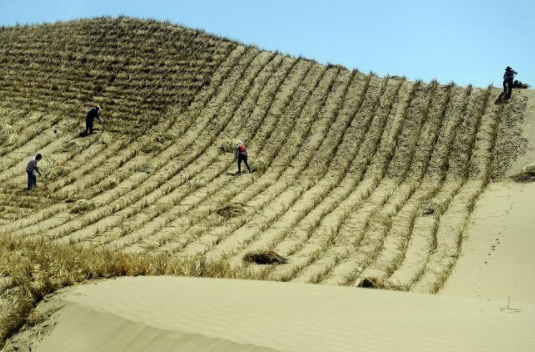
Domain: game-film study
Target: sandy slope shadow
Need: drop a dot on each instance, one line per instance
(86, 134)
(502, 99)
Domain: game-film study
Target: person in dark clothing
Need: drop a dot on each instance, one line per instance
(241, 155)
(508, 78)
(91, 115)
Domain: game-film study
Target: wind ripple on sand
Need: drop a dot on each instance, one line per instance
(168, 313)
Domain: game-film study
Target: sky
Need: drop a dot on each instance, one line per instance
(465, 41)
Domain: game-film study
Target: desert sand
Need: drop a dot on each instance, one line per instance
(498, 256)
(497, 259)
(193, 314)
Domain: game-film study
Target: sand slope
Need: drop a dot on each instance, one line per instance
(497, 259)
(528, 132)
(347, 163)
(187, 314)
(359, 176)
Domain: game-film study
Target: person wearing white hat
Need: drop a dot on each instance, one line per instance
(241, 155)
(30, 168)
(91, 115)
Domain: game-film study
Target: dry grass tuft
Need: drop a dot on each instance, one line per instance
(195, 184)
(377, 283)
(230, 210)
(369, 282)
(520, 85)
(258, 166)
(82, 206)
(7, 134)
(264, 257)
(147, 168)
(152, 148)
(429, 209)
(106, 138)
(54, 173)
(228, 146)
(526, 175)
(70, 146)
(110, 182)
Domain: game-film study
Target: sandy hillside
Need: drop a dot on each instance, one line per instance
(355, 177)
(191, 314)
(497, 261)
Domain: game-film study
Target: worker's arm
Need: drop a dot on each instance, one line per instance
(37, 169)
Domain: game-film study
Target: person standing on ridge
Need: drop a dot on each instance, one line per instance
(30, 168)
(508, 78)
(91, 115)
(241, 155)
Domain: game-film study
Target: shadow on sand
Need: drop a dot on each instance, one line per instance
(85, 133)
(502, 99)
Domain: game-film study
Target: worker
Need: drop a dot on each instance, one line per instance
(91, 115)
(508, 78)
(30, 168)
(241, 155)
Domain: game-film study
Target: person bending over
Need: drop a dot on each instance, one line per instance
(92, 114)
(31, 168)
(241, 155)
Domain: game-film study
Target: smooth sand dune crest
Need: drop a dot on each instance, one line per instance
(191, 314)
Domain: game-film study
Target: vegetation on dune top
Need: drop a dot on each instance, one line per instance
(135, 69)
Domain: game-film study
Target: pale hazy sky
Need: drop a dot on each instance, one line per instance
(467, 41)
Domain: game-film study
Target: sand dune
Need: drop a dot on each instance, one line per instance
(191, 314)
(357, 176)
(497, 260)
(350, 161)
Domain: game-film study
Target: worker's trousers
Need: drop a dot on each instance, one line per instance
(509, 91)
(243, 157)
(32, 179)
(89, 126)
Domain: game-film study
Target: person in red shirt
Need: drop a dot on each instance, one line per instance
(241, 155)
